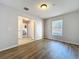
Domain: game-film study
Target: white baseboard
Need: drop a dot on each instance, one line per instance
(70, 42)
(8, 48)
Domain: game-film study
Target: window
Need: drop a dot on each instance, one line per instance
(57, 27)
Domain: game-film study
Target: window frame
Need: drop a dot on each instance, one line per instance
(62, 27)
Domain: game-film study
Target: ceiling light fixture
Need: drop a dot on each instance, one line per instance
(44, 6)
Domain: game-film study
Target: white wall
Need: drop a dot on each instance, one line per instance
(70, 30)
(9, 26)
(38, 29)
(31, 29)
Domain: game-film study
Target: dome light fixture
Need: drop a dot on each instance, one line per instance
(44, 6)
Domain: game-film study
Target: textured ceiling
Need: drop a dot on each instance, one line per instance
(55, 7)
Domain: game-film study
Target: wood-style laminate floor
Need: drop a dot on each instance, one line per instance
(42, 49)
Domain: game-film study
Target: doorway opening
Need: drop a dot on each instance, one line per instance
(26, 30)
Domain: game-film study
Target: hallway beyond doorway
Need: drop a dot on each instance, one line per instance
(26, 30)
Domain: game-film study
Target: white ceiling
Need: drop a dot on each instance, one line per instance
(56, 7)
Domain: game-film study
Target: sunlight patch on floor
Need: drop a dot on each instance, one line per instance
(25, 41)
